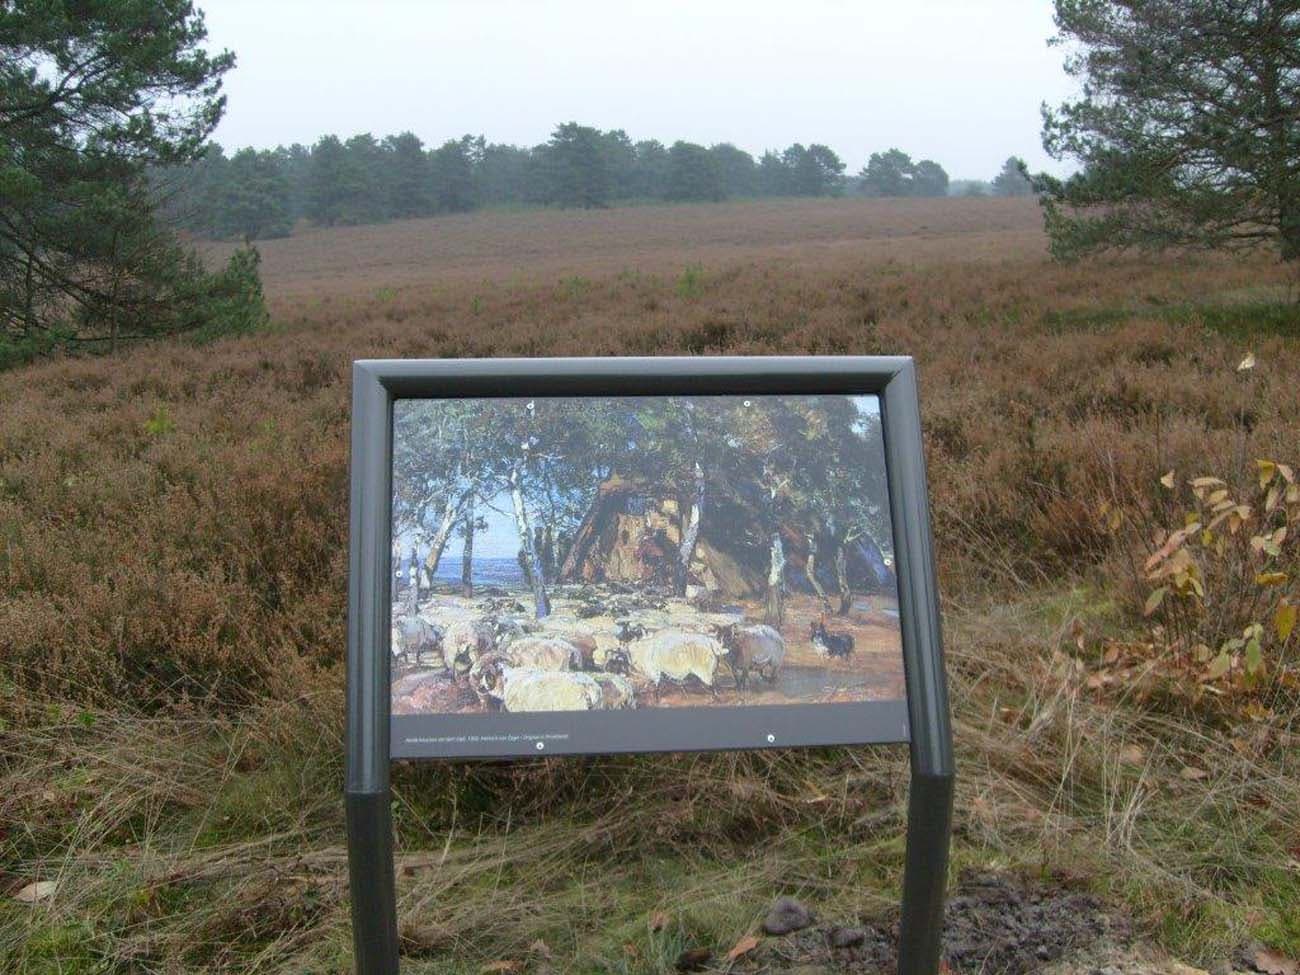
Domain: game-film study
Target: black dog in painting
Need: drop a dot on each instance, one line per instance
(833, 643)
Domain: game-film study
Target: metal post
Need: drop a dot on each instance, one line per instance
(369, 817)
(929, 817)
(929, 801)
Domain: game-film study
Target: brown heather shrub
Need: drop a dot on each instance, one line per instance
(172, 519)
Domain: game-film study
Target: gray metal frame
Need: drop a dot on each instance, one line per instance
(377, 383)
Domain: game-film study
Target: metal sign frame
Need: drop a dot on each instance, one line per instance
(377, 383)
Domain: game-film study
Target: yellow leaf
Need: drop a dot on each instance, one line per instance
(1287, 473)
(1192, 773)
(1171, 545)
(1168, 480)
(1254, 656)
(1246, 363)
(1218, 666)
(1207, 482)
(1267, 469)
(1154, 600)
(1270, 578)
(1284, 620)
(743, 947)
(38, 891)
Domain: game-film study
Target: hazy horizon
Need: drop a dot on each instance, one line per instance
(860, 78)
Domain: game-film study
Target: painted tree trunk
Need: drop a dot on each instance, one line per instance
(810, 570)
(543, 606)
(775, 614)
(692, 534)
(439, 541)
(842, 579)
(467, 557)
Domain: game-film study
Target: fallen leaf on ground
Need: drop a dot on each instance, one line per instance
(37, 891)
(1275, 963)
(1193, 774)
(540, 947)
(743, 947)
(1246, 363)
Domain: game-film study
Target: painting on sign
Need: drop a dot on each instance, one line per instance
(584, 553)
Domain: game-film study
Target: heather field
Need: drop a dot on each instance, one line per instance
(173, 531)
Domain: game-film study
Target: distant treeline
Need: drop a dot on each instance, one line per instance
(262, 193)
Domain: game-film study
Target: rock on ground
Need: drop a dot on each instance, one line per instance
(787, 915)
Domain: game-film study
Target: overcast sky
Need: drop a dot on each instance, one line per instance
(957, 81)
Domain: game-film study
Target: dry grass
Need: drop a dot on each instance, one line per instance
(542, 245)
(172, 536)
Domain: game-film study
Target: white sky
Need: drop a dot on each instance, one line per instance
(958, 81)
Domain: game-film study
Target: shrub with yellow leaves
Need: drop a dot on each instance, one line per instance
(1221, 588)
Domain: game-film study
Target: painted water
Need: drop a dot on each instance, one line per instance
(502, 572)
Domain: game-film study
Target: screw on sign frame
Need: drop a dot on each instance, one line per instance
(922, 719)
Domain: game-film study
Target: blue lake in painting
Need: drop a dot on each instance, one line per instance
(487, 572)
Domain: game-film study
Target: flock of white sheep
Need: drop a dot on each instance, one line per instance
(570, 665)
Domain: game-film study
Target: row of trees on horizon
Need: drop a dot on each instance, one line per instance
(257, 194)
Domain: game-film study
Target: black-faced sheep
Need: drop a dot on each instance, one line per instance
(752, 647)
(618, 661)
(463, 642)
(628, 631)
(616, 691)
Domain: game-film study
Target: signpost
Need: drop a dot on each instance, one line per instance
(640, 555)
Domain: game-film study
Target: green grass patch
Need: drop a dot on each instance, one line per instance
(1237, 319)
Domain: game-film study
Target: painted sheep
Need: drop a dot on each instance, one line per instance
(464, 642)
(517, 689)
(506, 628)
(616, 691)
(589, 657)
(543, 653)
(413, 635)
(677, 655)
(752, 647)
